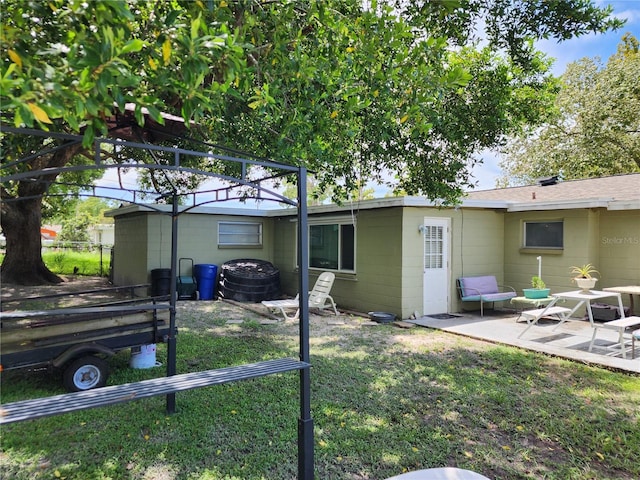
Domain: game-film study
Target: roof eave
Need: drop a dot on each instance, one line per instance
(559, 205)
(625, 205)
(158, 208)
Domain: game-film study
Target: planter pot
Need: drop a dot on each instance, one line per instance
(536, 292)
(586, 284)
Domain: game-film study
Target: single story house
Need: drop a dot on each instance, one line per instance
(404, 254)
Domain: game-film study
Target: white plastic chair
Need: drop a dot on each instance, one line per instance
(318, 298)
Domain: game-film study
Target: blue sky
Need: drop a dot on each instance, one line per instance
(564, 53)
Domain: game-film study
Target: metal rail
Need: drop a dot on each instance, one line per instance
(130, 288)
(72, 402)
(84, 310)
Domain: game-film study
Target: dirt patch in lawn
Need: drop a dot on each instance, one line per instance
(228, 317)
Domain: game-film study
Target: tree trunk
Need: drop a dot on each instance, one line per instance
(23, 263)
(21, 217)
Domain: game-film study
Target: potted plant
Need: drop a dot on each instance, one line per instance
(583, 276)
(539, 289)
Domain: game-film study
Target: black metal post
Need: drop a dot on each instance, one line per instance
(100, 247)
(171, 341)
(305, 422)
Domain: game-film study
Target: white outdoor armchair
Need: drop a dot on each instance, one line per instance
(319, 298)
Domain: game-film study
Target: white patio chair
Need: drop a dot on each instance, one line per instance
(318, 298)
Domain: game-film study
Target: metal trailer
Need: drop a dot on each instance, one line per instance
(77, 341)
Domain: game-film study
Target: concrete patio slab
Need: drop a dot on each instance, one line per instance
(569, 340)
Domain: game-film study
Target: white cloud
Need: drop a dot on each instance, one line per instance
(624, 9)
(592, 45)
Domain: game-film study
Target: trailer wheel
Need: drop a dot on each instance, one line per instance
(85, 373)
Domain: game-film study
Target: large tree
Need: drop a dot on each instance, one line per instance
(350, 89)
(595, 129)
(73, 67)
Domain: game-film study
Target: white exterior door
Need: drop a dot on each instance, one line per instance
(436, 265)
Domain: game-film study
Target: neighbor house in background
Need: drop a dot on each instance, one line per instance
(101, 233)
(403, 255)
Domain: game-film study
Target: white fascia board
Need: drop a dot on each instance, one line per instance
(624, 205)
(465, 203)
(245, 212)
(360, 205)
(345, 207)
(126, 209)
(488, 204)
(248, 212)
(559, 205)
(389, 202)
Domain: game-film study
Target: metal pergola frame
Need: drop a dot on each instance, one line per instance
(305, 421)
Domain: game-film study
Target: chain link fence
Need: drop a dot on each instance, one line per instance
(88, 258)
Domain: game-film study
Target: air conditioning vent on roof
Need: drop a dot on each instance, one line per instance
(543, 182)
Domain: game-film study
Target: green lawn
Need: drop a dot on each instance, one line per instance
(81, 263)
(384, 401)
(68, 262)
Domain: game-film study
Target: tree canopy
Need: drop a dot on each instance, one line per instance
(352, 90)
(595, 128)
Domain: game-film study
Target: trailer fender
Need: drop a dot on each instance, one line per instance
(82, 349)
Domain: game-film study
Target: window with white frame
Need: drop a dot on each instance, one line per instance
(332, 245)
(239, 234)
(544, 234)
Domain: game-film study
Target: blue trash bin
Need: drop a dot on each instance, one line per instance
(206, 278)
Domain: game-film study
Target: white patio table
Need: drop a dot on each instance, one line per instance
(619, 325)
(564, 314)
(585, 299)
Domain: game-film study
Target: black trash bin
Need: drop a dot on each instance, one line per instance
(160, 282)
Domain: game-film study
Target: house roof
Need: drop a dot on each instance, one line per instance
(618, 192)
